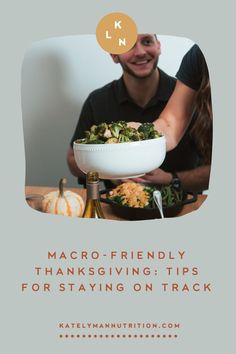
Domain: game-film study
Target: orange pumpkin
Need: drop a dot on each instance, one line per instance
(62, 202)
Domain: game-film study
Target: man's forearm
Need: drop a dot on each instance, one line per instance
(196, 179)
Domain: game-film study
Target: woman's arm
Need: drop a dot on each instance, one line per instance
(176, 116)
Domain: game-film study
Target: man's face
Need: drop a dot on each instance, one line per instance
(140, 61)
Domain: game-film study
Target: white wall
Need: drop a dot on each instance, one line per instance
(57, 76)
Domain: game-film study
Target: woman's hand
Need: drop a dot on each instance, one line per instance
(134, 125)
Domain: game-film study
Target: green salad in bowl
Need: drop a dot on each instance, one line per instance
(118, 132)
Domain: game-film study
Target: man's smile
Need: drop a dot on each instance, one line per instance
(141, 61)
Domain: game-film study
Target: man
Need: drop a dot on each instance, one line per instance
(139, 95)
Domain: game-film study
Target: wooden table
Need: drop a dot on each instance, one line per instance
(32, 190)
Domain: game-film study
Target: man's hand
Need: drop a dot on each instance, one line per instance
(73, 165)
(157, 176)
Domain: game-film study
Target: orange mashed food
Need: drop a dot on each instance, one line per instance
(133, 194)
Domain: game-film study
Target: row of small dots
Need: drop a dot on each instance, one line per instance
(118, 336)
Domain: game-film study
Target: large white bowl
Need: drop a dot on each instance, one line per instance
(123, 160)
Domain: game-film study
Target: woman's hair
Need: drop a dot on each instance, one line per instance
(201, 130)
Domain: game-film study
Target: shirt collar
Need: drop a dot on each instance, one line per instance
(163, 92)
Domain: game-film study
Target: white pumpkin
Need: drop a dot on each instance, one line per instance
(62, 202)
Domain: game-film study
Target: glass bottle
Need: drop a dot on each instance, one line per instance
(93, 207)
